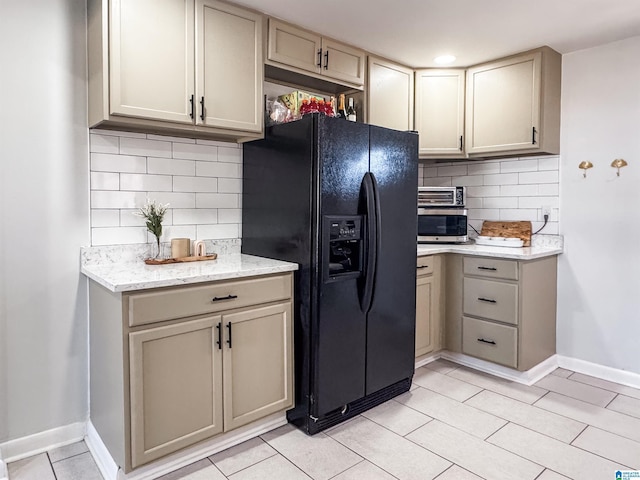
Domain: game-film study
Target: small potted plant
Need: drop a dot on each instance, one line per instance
(153, 214)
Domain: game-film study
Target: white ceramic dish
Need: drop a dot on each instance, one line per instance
(499, 241)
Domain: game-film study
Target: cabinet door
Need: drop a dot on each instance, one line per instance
(440, 112)
(503, 105)
(151, 59)
(390, 95)
(176, 387)
(257, 364)
(229, 66)
(294, 47)
(424, 328)
(343, 62)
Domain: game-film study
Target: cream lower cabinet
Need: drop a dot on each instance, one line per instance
(211, 358)
(506, 310)
(513, 105)
(178, 65)
(428, 312)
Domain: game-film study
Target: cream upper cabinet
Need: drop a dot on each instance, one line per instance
(513, 105)
(439, 113)
(151, 59)
(229, 66)
(295, 47)
(390, 94)
(306, 52)
(189, 67)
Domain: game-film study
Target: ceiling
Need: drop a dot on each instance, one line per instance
(414, 32)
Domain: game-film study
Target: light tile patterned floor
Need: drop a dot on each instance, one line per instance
(455, 424)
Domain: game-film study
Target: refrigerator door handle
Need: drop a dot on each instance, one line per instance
(369, 190)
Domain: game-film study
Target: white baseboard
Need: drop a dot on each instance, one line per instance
(41, 442)
(3, 468)
(529, 377)
(111, 471)
(107, 466)
(426, 359)
(623, 377)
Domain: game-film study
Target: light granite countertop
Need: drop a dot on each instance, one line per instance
(521, 253)
(129, 276)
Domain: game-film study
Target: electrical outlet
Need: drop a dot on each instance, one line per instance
(546, 210)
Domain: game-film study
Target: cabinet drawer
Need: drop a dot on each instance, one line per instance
(160, 305)
(491, 267)
(491, 299)
(490, 341)
(424, 266)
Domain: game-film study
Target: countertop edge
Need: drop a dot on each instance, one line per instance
(526, 253)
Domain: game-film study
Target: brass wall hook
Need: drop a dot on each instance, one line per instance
(618, 163)
(586, 165)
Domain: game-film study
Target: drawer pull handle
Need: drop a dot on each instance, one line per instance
(219, 341)
(488, 300)
(229, 340)
(492, 269)
(228, 297)
(423, 266)
(490, 342)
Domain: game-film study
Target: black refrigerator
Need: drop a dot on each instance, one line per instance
(339, 198)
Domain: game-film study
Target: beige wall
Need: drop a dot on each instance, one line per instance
(43, 216)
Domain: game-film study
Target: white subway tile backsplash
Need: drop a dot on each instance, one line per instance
(217, 200)
(195, 151)
(118, 235)
(217, 232)
(451, 171)
(520, 165)
(501, 179)
(128, 218)
(104, 143)
(105, 218)
(484, 168)
(175, 231)
(145, 183)
(518, 214)
(105, 181)
(550, 176)
(484, 214)
(549, 189)
(430, 172)
(195, 216)
(230, 185)
(467, 181)
(106, 162)
(145, 147)
(229, 154)
(218, 169)
(116, 199)
(175, 199)
(488, 191)
(473, 202)
(537, 202)
(518, 190)
(170, 166)
(229, 215)
(500, 202)
(195, 184)
(438, 182)
(218, 143)
(549, 163)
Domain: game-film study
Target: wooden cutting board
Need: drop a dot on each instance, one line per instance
(521, 230)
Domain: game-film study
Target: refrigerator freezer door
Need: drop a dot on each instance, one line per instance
(391, 321)
(338, 332)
